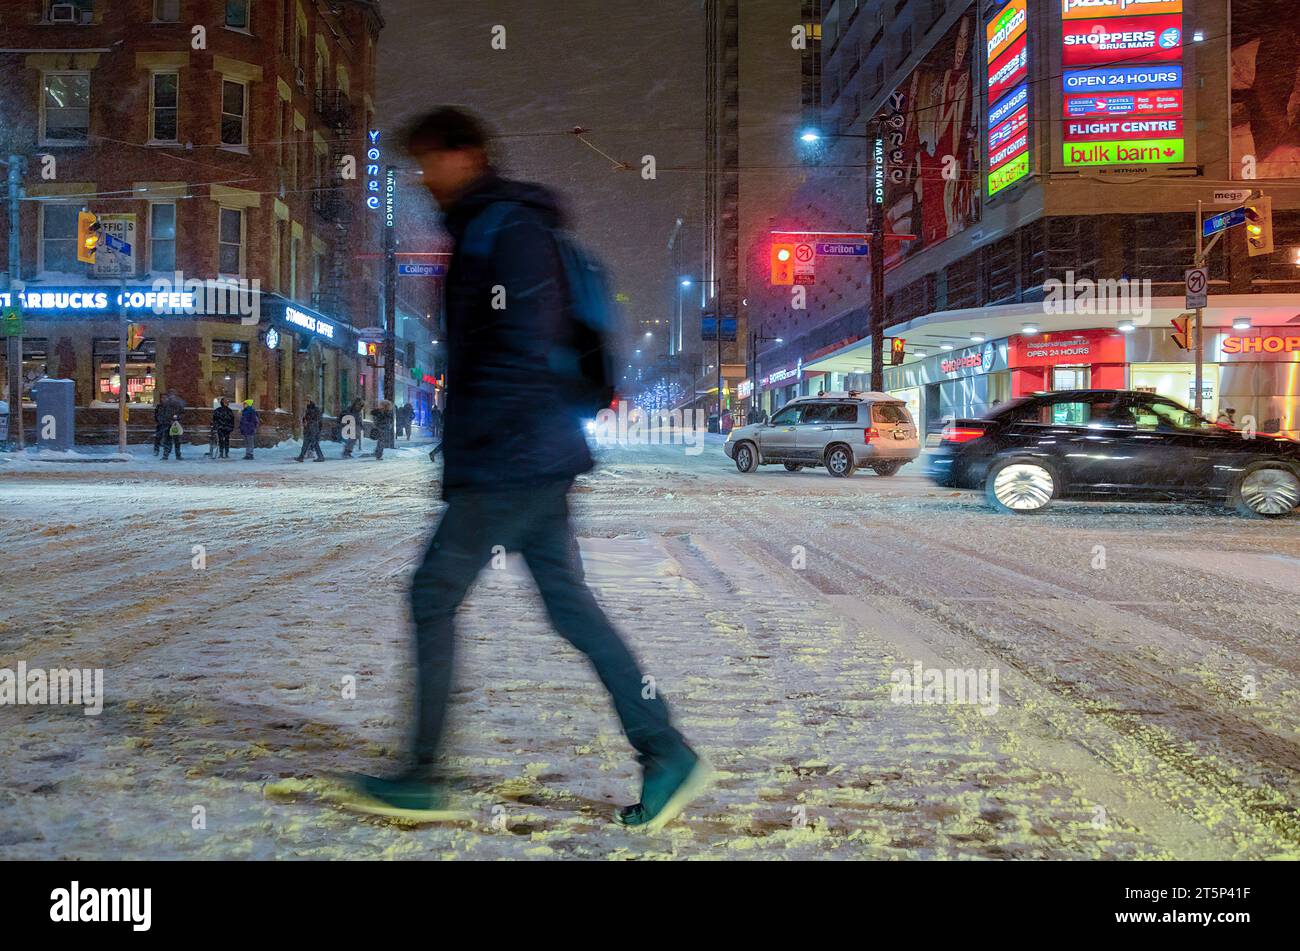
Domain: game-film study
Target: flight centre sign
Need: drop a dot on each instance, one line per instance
(1008, 97)
(1122, 79)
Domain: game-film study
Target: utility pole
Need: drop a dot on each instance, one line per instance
(390, 285)
(1200, 311)
(13, 285)
(876, 225)
(719, 325)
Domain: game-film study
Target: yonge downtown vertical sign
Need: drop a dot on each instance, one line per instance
(1122, 79)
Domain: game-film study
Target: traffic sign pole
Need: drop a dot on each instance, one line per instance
(1200, 311)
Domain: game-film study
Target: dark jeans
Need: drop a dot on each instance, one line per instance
(310, 443)
(160, 434)
(534, 522)
(223, 443)
(171, 442)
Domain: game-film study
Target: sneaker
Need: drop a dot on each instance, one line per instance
(404, 797)
(669, 785)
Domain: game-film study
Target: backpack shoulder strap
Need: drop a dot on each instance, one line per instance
(481, 235)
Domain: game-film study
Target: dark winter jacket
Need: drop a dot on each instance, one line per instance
(248, 421)
(506, 421)
(223, 419)
(311, 420)
(383, 426)
(404, 414)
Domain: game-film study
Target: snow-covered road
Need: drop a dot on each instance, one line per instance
(1147, 664)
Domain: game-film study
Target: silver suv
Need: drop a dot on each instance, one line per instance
(840, 431)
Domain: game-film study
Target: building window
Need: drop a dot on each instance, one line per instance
(166, 11)
(141, 371)
(69, 11)
(238, 14)
(65, 108)
(162, 237)
(59, 238)
(293, 267)
(234, 112)
(164, 103)
(230, 249)
(229, 370)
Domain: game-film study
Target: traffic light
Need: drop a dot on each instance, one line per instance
(897, 350)
(1259, 226)
(88, 231)
(782, 264)
(1181, 329)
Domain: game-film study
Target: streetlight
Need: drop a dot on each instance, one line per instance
(875, 195)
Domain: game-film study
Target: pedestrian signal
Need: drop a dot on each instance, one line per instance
(1181, 330)
(897, 350)
(88, 232)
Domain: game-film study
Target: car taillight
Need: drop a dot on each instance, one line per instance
(961, 433)
(869, 434)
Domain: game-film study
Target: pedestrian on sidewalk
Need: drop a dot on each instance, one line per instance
(173, 440)
(223, 423)
(248, 422)
(435, 422)
(382, 415)
(404, 414)
(351, 424)
(511, 489)
(311, 432)
(161, 423)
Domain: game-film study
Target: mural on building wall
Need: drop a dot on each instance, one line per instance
(934, 191)
(1265, 92)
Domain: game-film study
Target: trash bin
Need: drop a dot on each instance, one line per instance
(55, 411)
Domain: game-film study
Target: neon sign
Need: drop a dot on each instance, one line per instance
(372, 171)
(309, 323)
(1128, 114)
(102, 302)
(1008, 95)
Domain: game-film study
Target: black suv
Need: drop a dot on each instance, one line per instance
(1119, 444)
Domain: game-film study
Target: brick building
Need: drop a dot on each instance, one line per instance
(209, 135)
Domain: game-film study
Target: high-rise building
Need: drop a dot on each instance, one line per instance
(1040, 148)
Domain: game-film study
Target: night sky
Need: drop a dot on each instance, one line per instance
(630, 71)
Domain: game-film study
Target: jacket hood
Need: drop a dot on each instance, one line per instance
(492, 188)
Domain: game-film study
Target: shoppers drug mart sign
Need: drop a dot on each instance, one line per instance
(1122, 83)
(1154, 39)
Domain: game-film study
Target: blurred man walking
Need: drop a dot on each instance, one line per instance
(512, 445)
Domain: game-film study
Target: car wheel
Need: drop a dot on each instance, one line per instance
(746, 457)
(1021, 486)
(888, 467)
(839, 461)
(792, 467)
(1267, 490)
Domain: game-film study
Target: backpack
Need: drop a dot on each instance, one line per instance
(589, 363)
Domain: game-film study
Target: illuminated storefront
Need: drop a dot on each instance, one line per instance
(263, 347)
